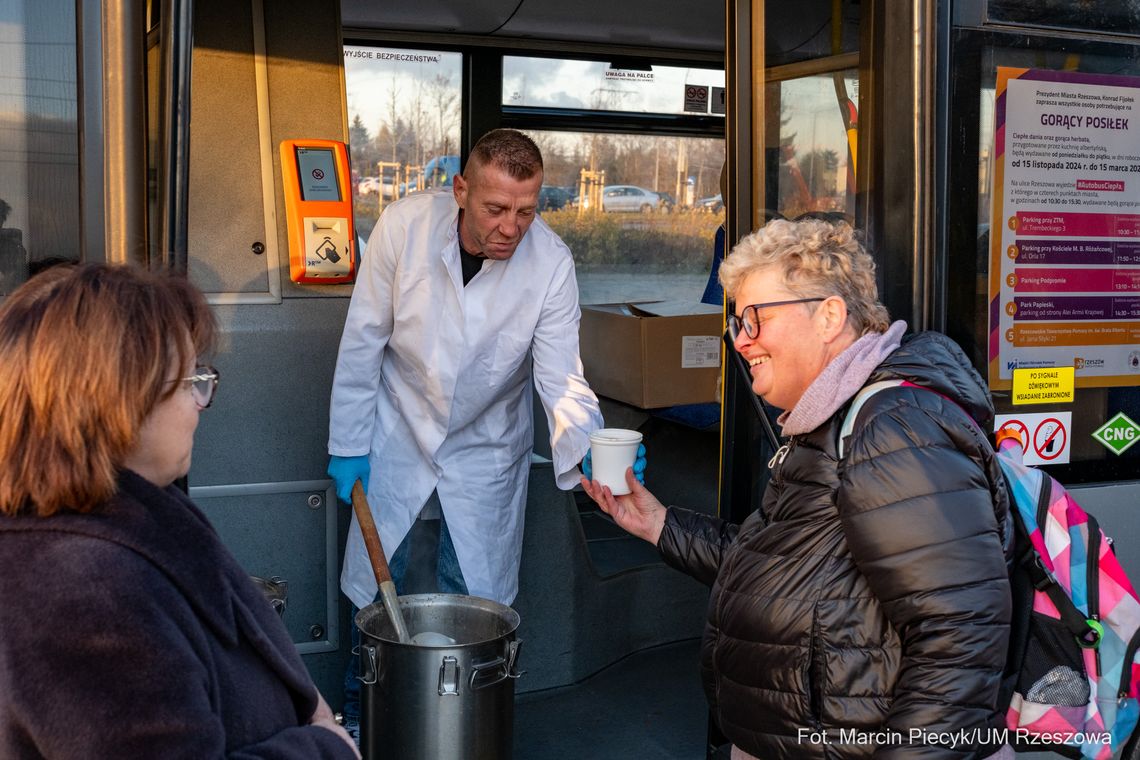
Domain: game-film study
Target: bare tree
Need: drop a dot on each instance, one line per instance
(634, 160)
(820, 169)
(419, 121)
(363, 147)
(396, 129)
(558, 167)
(444, 97)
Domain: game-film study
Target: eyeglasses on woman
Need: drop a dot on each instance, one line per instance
(202, 384)
(749, 319)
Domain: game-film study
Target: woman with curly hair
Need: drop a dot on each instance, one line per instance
(864, 609)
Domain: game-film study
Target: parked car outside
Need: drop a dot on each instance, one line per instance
(668, 202)
(578, 201)
(552, 198)
(629, 198)
(368, 185)
(712, 204)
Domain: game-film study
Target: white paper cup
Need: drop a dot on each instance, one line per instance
(612, 451)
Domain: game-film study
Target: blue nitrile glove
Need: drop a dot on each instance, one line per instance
(638, 465)
(345, 471)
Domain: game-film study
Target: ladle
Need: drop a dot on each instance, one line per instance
(379, 561)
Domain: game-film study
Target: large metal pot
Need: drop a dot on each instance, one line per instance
(445, 701)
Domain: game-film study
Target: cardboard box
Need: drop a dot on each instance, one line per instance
(653, 354)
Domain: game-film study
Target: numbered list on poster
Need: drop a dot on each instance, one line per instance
(1065, 245)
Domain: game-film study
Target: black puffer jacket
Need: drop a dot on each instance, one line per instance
(866, 613)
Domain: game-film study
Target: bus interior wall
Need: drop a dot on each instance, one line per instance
(267, 72)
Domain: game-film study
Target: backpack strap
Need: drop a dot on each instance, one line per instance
(860, 399)
(1088, 631)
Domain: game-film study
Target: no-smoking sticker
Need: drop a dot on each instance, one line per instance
(696, 98)
(1050, 439)
(1044, 436)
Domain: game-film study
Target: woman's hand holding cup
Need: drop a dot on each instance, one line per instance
(633, 508)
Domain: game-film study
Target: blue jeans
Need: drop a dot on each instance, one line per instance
(449, 580)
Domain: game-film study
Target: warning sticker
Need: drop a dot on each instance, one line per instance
(718, 103)
(1016, 426)
(1048, 385)
(1044, 436)
(696, 98)
(1118, 434)
(700, 351)
(1050, 439)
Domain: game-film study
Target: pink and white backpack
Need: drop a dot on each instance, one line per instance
(1072, 679)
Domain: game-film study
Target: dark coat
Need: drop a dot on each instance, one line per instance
(132, 632)
(871, 594)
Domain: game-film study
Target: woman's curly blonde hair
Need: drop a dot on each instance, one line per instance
(816, 259)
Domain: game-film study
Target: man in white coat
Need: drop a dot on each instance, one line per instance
(460, 294)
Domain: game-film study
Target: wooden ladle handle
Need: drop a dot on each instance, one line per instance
(371, 537)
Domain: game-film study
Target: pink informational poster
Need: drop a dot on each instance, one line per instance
(1064, 279)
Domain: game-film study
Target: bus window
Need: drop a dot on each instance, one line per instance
(1093, 15)
(639, 212)
(637, 204)
(404, 116)
(623, 86)
(980, 174)
(39, 143)
(810, 144)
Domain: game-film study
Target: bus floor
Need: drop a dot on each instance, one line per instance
(648, 705)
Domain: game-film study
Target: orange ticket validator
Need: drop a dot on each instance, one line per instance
(318, 206)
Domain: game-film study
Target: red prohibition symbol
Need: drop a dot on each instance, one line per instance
(1050, 447)
(1022, 433)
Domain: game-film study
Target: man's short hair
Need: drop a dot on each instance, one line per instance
(509, 150)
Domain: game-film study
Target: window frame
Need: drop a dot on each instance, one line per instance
(482, 84)
(958, 225)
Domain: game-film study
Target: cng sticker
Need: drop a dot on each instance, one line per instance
(1118, 433)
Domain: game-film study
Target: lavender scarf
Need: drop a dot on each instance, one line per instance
(840, 380)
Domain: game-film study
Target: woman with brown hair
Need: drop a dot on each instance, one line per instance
(128, 630)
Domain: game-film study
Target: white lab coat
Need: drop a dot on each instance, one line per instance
(433, 383)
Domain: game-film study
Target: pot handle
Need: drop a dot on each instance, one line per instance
(369, 667)
(484, 674)
(449, 677)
